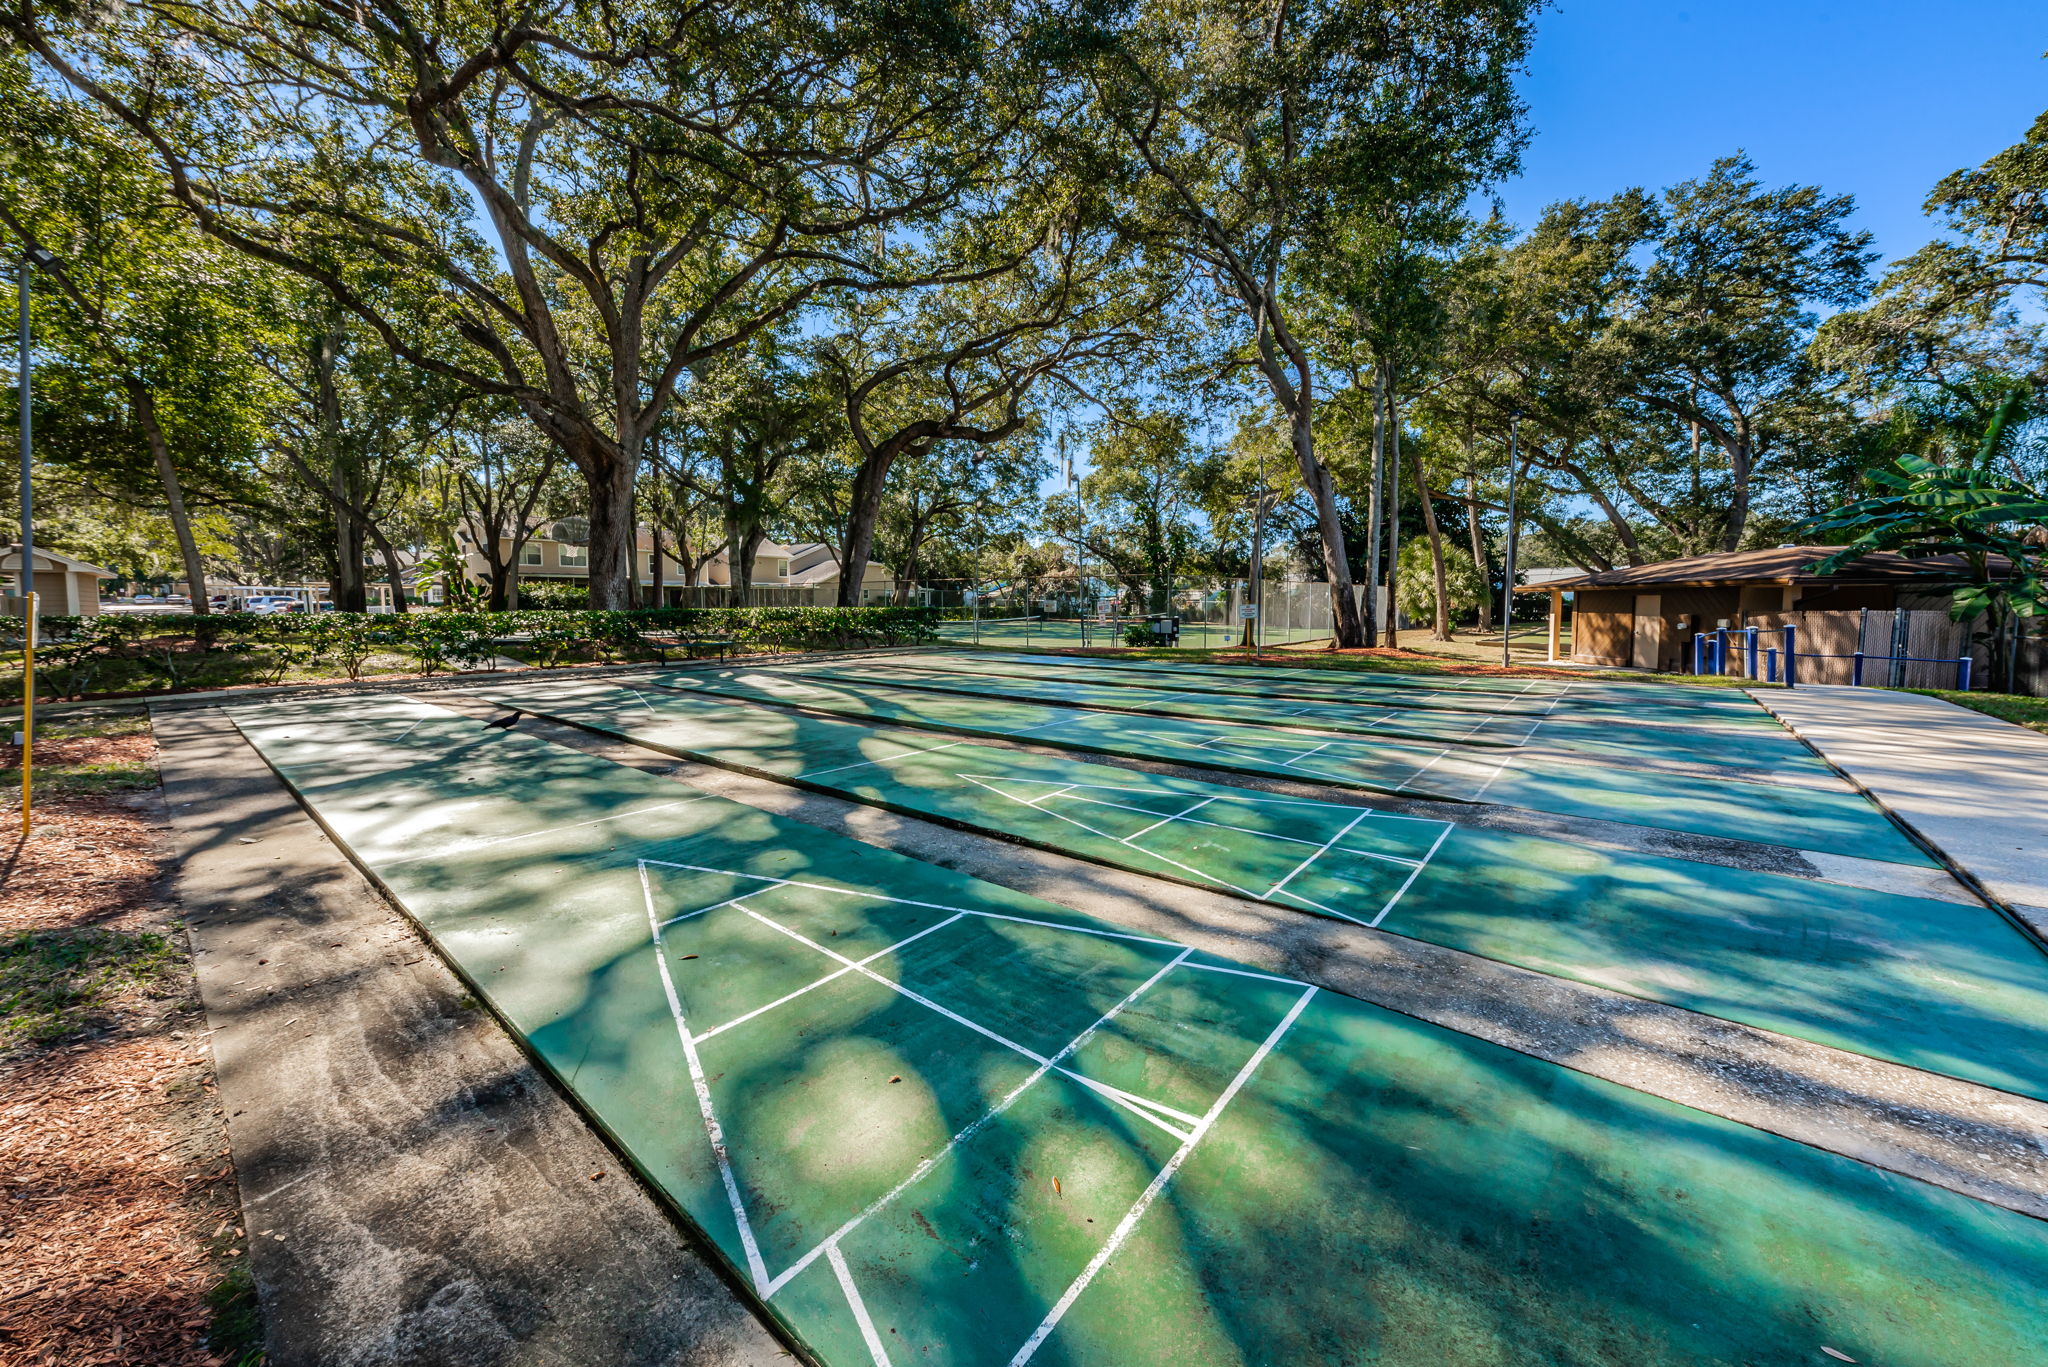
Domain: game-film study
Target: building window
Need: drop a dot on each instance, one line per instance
(529, 555)
(573, 557)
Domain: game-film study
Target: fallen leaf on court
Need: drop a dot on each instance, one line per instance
(596, 1176)
(689, 956)
(1836, 1353)
(897, 1078)
(1056, 1186)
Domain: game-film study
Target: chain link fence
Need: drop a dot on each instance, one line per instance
(1192, 612)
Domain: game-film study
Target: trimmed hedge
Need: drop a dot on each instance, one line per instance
(133, 653)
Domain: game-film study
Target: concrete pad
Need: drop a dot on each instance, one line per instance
(1972, 786)
(1983, 1143)
(1375, 1188)
(1928, 984)
(416, 1193)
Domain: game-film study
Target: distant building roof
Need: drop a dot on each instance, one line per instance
(1784, 565)
(50, 561)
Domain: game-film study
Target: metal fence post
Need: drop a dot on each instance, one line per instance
(1699, 644)
(1963, 673)
(1771, 664)
(1856, 670)
(1791, 656)
(1899, 647)
(1752, 632)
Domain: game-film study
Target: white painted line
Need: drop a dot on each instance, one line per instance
(901, 990)
(1306, 753)
(1251, 796)
(1185, 868)
(1402, 891)
(755, 1267)
(885, 759)
(1246, 973)
(858, 1306)
(917, 1174)
(1175, 817)
(1079, 930)
(838, 973)
(898, 901)
(1321, 850)
(1158, 1184)
(1498, 770)
(1144, 1107)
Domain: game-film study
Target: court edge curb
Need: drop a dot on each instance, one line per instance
(732, 1276)
(1002, 837)
(2035, 935)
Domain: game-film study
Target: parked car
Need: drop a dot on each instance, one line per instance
(176, 599)
(263, 605)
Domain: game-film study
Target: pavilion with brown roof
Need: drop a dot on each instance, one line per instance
(1644, 616)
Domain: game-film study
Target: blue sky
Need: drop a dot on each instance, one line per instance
(1878, 99)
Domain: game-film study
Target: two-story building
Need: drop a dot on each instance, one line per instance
(801, 575)
(813, 565)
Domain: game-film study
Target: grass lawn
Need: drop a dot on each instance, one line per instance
(2031, 713)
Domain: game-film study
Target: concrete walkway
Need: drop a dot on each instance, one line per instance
(1973, 787)
(417, 1195)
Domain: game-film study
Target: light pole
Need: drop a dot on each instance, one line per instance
(25, 581)
(1507, 585)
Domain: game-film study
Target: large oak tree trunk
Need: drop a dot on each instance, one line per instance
(174, 495)
(1441, 630)
(1479, 558)
(1348, 623)
(609, 477)
(864, 509)
(1376, 510)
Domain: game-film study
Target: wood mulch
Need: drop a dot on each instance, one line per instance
(118, 1208)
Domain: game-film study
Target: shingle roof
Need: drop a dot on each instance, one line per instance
(1775, 565)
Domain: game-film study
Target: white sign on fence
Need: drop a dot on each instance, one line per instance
(1247, 612)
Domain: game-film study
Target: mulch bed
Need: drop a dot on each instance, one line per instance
(118, 1207)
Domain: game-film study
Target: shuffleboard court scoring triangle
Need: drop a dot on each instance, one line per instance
(725, 891)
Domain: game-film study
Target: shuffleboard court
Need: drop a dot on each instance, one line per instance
(929, 1120)
(1533, 697)
(1347, 681)
(1947, 988)
(1762, 749)
(1833, 822)
(1027, 633)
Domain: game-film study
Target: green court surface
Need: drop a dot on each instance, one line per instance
(1767, 750)
(1948, 988)
(1057, 633)
(1838, 822)
(929, 1120)
(1519, 697)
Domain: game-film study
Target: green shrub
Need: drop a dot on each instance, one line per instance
(132, 653)
(552, 595)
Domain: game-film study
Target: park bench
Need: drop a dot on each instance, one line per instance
(661, 643)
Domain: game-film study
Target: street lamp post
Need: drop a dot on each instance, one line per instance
(25, 581)
(1507, 585)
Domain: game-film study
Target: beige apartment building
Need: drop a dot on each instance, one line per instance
(800, 575)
